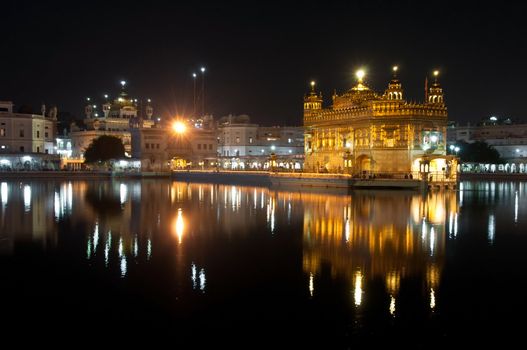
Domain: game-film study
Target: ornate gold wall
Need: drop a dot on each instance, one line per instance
(365, 131)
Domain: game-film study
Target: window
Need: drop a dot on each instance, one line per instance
(38, 149)
(199, 145)
(250, 140)
(47, 151)
(21, 133)
(21, 148)
(147, 145)
(157, 146)
(2, 132)
(46, 135)
(210, 147)
(237, 139)
(38, 134)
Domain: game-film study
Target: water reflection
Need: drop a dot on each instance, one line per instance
(196, 234)
(392, 236)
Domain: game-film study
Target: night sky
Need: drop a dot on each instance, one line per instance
(260, 57)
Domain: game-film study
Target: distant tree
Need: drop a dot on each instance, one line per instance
(103, 149)
(478, 152)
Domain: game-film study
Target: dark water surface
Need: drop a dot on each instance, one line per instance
(192, 263)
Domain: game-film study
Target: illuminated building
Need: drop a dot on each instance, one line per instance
(364, 132)
(27, 140)
(244, 145)
(111, 118)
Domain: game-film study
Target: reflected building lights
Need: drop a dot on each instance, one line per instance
(95, 236)
(27, 198)
(149, 249)
(107, 248)
(202, 280)
(193, 274)
(4, 193)
(123, 191)
(392, 305)
(123, 266)
(432, 299)
(311, 284)
(136, 246)
(432, 241)
(491, 228)
(516, 207)
(357, 294)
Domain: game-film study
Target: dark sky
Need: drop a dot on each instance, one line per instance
(261, 56)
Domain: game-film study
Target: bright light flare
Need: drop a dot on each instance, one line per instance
(360, 74)
(179, 127)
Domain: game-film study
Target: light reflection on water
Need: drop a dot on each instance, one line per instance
(361, 241)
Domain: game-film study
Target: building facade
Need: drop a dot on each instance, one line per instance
(508, 137)
(27, 141)
(113, 119)
(27, 133)
(365, 133)
(244, 145)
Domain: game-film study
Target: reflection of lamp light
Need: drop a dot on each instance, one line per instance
(179, 225)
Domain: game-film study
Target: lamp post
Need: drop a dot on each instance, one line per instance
(202, 91)
(456, 149)
(194, 75)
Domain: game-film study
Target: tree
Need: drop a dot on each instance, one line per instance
(478, 152)
(104, 148)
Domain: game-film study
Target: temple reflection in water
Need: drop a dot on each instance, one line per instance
(385, 235)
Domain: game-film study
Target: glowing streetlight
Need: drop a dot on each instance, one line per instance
(123, 83)
(457, 150)
(149, 100)
(179, 127)
(87, 99)
(452, 147)
(436, 73)
(106, 96)
(202, 91)
(360, 75)
(312, 85)
(395, 69)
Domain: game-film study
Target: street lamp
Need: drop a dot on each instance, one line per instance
(202, 91)
(179, 127)
(194, 75)
(456, 149)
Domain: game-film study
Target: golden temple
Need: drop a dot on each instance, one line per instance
(365, 133)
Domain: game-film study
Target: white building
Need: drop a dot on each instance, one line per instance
(27, 133)
(507, 137)
(111, 118)
(27, 140)
(244, 145)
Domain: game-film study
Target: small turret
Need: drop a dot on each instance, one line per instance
(435, 93)
(312, 102)
(395, 89)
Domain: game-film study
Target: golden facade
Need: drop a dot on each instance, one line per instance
(364, 132)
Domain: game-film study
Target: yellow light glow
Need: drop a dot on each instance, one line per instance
(179, 225)
(179, 127)
(436, 73)
(312, 83)
(395, 68)
(360, 74)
